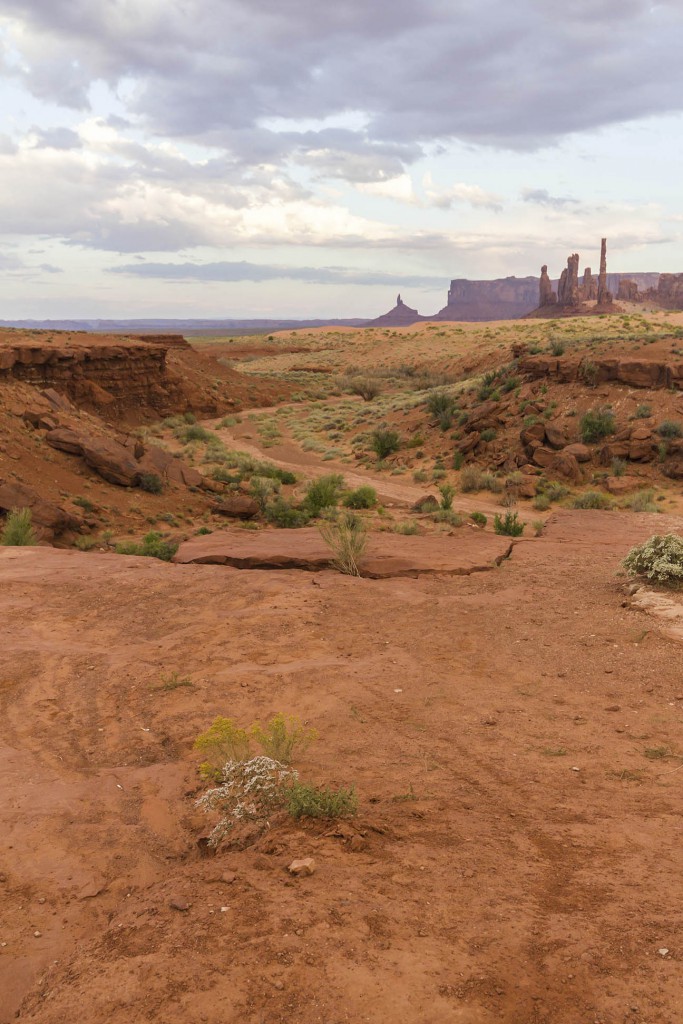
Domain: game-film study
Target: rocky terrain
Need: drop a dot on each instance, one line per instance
(507, 708)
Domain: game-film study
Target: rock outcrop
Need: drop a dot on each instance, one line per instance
(400, 316)
(49, 519)
(669, 291)
(506, 298)
(628, 291)
(546, 295)
(605, 297)
(589, 287)
(568, 288)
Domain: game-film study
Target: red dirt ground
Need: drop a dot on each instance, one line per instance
(516, 858)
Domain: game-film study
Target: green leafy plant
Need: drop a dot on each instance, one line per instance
(223, 741)
(323, 493)
(479, 519)
(282, 737)
(151, 483)
(447, 492)
(346, 537)
(18, 530)
(249, 790)
(670, 429)
(592, 499)
(283, 514)
(659, 559)
(596, 424)
(367, 387)
(363, 497)
(643, 412)
(384, 442)
(308, 801)
(153, 545)
(508, 525)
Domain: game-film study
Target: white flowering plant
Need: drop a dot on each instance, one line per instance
(659, 559)
(250, 790)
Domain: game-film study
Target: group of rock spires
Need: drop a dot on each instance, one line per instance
(570, 294)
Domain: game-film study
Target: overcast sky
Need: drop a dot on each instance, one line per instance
(298, 158)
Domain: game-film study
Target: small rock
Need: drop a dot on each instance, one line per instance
(613, 707)
(662, 952)
(279, 985)
(575, 769)
(178, 904)
(228, 877)
(489, 721)
(38, 934)
(302, 868)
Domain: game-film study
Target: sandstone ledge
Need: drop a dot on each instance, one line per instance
(387, 555)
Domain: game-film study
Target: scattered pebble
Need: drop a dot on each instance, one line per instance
(228, 877)
(178, 904)
(613, 707)
(38, 934)
(662, 952)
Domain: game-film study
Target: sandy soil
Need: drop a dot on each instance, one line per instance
(517, 856)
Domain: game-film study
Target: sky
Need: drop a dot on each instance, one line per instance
(291, 158)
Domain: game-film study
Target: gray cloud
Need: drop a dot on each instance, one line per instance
(513, 75)
(243, 271)
(56, 138)
(541, 197)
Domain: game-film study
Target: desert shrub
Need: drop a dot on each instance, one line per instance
(659, 559)
(442, 406)
(84, 503)
(346, 538)
(458, 459)
(323, 493)
(475, 479)
(362, 497)
(85, 543)
(384, 442)
(153, 545)
(541, 503)
(282, 736)
(538, 525)
(366, 387)
(426, 504)
(283, 514)
(222, 742)
(556, 491)
(588, 373)
(151, 483)
(262, 489)
(643, 501)
(447, 492)
(249, 790)
(670, 429)
(447, 515)
(189, 417)
(203, 531)
(643, 412)
(478, 518)
(596, 424)
(618, 467)
(489, 434)
(407, 528)
(307, 801)
(508, 525)
(556, 347)
(193, 432)
(592, 499)
(18, 530)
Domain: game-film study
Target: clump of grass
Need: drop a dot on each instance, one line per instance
(18, 530)
(346, 537)
(592, 499)
(175, 681)
(618, 467)
(308, 801)
(282, 513)
(596, 424)
(85, 543)
(153, 545)
(643, 412)
(659, 559)
(282, 737)
(384, 442)
(670, 429)
(479, 519)
(541, 503)
(151, 483)
(83, 503)
(489, 434)
(407, 528)
(643, 501)
(363, 497)
(193, 432)
(442, 406)
(556, 347)
(508, 525)
(475, 479)
(447, 492)
(367, 387)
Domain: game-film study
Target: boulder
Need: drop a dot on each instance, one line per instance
(613, 450)
(555, 437)
(526, 488)
(580, 452)
(536, 432)
(65, 440)
(622, 484)
(50, 519)
(238, 506)
(469, 443)
(543, 457)
(427, 503)
(58, 402)
(642, 450)
(111, 461)
(566, 465)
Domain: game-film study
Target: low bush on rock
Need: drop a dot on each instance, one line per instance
(659, 559)
(670, 429)
(596, 424)
(346, 537)
(153, 545)
(18, 530)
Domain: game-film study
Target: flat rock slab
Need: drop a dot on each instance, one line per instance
(387, 554)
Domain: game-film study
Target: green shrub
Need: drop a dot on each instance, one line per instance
(18, 530)
(670, 429)
(592, 499)
(407, 528)
(223, 741)
(538, 525)
(262, 488)
(346, 538)
(556, 347)
(362, 497)
(643, 501)
(283, 514)
(458, 459)
(84, 503)
(473, 478)
(618, 467)
(589, 373)
(151, 483)
(489, 434)
(478, 518)
(442, 406)
(447, 492)
(203, 531)
(384, 442)
(643, 412)
(556, 491)
(541, 503)
(366, 387)
(596, 424)
(194, 432)
(308, 801)
(85, 543)
(508, 525)
(153, 546)
(282, 737)
(659, 559)
(447, 515)
(323, 493)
